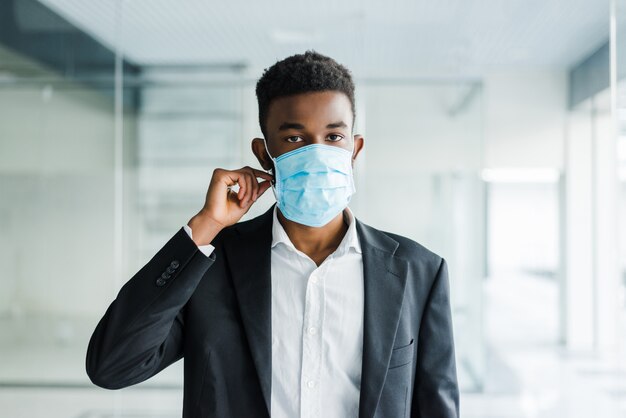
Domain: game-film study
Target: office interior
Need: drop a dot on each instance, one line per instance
(495, 135)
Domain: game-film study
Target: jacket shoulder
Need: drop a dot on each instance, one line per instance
(422, 260)
(414, 251)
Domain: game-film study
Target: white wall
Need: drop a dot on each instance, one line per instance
(525, 119)
(414, 139)
(523, 228)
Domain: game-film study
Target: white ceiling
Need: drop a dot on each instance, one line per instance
(419, 38)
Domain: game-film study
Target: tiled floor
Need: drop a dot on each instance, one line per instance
(528, 374)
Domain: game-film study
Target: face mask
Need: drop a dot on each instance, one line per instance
(313, 183)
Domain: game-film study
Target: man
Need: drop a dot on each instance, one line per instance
(302, 311)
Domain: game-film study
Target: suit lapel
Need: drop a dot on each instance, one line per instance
(384, 277)
(248, 253)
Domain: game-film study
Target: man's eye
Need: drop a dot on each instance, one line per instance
(293, 139)
(337, 137)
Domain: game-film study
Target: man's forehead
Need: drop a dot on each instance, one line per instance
(319, 108)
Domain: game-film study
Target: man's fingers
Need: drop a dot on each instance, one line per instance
(254, 174)
(255, 186)
(252, 182)
(250, 192)
(232, 196)
(249, 187)
(234, 177)
(240, 179)
(262, 174)
(263, 186)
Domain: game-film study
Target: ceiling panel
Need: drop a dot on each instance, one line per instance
(395, 38)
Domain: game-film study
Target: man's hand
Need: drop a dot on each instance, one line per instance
(223, 206)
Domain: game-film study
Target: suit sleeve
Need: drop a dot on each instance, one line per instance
(206, 249)
(141, 332)
(436, 392)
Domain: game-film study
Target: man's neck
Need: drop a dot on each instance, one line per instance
(316, 242)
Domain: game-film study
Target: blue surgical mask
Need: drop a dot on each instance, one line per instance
(314, 183)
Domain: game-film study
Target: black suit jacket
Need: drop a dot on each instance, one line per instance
(215, 311)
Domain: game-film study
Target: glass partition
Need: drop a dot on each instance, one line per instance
(420, 177)
(56, 201)
(103, 158)
(619, 108)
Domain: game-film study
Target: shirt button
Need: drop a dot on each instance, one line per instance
(311, 384)
(312, 330)
(314, 279)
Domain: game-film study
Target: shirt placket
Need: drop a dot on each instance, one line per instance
(310, 392)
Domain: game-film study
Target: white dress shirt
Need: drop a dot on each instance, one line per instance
(206, 249)
(317, 327)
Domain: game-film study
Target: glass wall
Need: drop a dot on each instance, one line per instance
(57, 195)
(594, 294)
(619, 104)
(105, 153)
(422, 164)
(102, 159)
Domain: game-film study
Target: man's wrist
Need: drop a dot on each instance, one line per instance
(204, 228)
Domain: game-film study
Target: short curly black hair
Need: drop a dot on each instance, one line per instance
(302, 73)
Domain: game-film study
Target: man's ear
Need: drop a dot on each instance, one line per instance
(258, 148)
(358, 146)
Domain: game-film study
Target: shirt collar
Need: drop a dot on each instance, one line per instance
(350, 240)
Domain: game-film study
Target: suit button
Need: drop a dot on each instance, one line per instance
(165, 276)
(160, 282)
(174, 264)
(170, 270)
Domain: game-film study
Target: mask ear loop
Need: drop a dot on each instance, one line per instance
(271, 170)
(351, 163)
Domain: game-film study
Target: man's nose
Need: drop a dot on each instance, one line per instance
(318, 139)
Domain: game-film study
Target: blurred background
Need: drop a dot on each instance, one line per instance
(501, 124)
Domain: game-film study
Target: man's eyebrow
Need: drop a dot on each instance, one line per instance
(339, 124)
(291, 125)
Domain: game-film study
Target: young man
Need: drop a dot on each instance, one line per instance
(303, 311)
